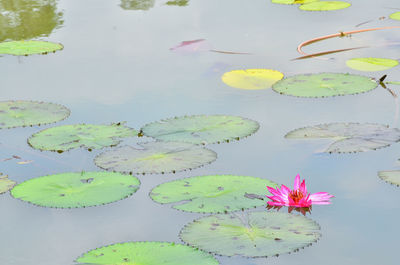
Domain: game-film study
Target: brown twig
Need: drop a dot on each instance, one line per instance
(340, 34)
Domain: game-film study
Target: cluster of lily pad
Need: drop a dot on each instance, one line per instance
(179, 145)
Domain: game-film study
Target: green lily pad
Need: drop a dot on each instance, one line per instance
(29, 47)
(371, 64)
(5, 183)
(395, 16)
(393, 83)
(75, 190)
(391, 177)
(201, 129)
(137, 4)
(178, 3)
(147, 253)
(253, 234)
(213, 194)
(350, 137)
(324, 85)
(29, 113)
(252, 79)
(292, 2)
(155, 157)
(324, 6)
(66, 137)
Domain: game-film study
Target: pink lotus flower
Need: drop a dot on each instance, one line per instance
(298, 197)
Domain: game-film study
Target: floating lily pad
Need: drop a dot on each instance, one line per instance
(395, 16)
(292, 2)
(350, 137)
(147, 253)
(254, 234)
(324, 85)
(29, 113)
(371, 64)
(252, 79)
(29, 47)
(75, 190)
(66, 137)
(392, 177)
(201, 129)
(5, 183)
(155, 157)
(393, 83)
(178, 3)
(213, 194)
(324, 6)
(137, 4)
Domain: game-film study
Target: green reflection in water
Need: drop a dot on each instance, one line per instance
(28, 19)
(137, 4)
(178, 3)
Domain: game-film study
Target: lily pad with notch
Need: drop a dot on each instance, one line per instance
(350, 137)
(147, 253)
(252, 79)
(324, 85)
(371, 64)
(76, 190)
(252, 234)
(22, 113)
(391, 177)
(6, 184)
(324, 6)
(201, 129)
(89, 136)
(213, 194)
(29, 47)
(155, 157)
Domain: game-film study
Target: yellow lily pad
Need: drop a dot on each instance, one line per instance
(252, 79)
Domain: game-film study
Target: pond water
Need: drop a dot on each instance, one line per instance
(116, 66)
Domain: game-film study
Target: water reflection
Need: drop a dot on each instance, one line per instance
(178, 3)
(137, 4)
(302, 210)
(28, 19)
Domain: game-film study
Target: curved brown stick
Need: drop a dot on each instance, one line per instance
(340, 34)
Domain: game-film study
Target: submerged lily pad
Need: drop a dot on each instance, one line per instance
(29, 47)
(371, 64)
(155, 157)
(201, 129)
(324, 85)
(350, 137)
(75, 190)
(324, 6)
(213, 194)
(66, 137)
(147, 253)
(29, 113)
(252, 79)
(391, 177)
(395, 16)
(292, 2)
(5, 183)
(254, 234)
